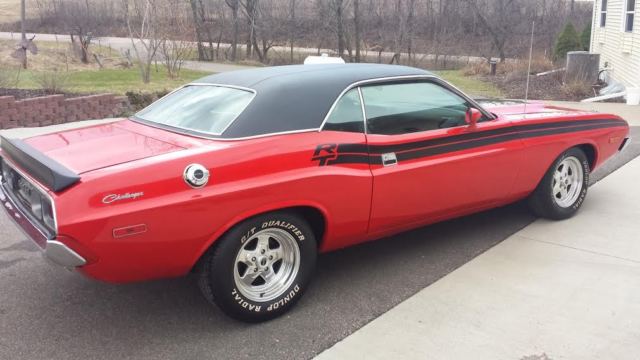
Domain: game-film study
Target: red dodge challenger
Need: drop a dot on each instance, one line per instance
(244, 177)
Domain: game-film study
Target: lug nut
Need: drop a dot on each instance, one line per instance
(255, 270)
(270, 257)
(262, 251)
(253, 258)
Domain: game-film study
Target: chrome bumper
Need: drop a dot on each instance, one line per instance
(53, 250)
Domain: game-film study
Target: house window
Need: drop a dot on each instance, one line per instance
(603, 13)
(629, 13)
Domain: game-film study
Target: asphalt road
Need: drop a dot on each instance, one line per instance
(49, 313)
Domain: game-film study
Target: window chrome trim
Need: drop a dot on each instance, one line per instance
(205, 134)
(356, 84)
(364, 110)
(42, 192)
(434, 78)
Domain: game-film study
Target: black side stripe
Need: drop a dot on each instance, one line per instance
(451, 146)
(381, 149)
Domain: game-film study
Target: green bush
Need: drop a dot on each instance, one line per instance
(567, 41)
(585, 37)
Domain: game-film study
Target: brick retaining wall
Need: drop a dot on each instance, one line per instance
(55, 109)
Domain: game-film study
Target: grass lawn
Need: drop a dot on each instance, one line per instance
(469, 84)
(116, 81)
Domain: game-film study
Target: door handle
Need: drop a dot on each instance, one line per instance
(389, 159)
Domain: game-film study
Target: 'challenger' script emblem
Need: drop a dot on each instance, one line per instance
(117, 197)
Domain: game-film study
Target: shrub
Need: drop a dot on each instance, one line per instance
(567, 41)
(515, 68)
(52, 81)
(577, 90)
(140, 100)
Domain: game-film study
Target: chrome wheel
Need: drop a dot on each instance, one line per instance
(266, 265)
(567, 182)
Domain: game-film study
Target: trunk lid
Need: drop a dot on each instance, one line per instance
(91, 148)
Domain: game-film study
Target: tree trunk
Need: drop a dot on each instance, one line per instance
(410, 17)
(197, 25)
(292, 28)
(209, 56)
(356, 20)
(23, 19)
(233, 4)
(340, 31)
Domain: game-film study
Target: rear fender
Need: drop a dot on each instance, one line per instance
(259, 211)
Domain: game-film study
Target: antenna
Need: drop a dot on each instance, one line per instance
(526, 91)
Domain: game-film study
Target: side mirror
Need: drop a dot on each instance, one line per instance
(472, 117)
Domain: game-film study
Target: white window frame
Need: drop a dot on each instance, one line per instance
(625, 16)
(604, 5)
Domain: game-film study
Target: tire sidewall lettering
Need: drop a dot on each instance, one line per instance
(267, 306)
(585, 185)
(285, 225)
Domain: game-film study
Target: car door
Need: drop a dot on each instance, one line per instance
(427, 163)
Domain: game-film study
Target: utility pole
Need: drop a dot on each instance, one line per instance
(23, 43)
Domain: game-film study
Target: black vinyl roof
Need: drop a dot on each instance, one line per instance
(296, 97)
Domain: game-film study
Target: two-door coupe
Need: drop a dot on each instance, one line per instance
(243, 177)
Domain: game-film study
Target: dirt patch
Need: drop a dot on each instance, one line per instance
(548, 87)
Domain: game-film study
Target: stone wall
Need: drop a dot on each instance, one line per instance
(55, 109)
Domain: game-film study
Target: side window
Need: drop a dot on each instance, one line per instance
(412, 107)
(347, 114)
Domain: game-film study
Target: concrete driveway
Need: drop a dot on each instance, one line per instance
(49, 313)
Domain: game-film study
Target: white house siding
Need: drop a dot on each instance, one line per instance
(621, 50)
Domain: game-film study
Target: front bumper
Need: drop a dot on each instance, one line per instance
(52, 249)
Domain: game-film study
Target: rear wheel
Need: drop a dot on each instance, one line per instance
(563, 189)
(260, 268)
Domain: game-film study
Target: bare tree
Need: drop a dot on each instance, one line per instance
(144, 32)
(357, 29)
(174, 50)
(292, 27)
(251, 13)
(425, 30)
(497, 18)
(234, 5)
(196, 11)
(338, 8)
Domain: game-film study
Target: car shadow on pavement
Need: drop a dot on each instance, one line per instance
(63, 315)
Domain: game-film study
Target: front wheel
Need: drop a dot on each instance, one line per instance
(260, 268)
(563, 189)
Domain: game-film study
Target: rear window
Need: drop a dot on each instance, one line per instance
(205, 109)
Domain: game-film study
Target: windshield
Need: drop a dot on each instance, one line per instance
(206, 109)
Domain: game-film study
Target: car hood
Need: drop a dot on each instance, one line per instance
(517, 109)
(91, 148)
